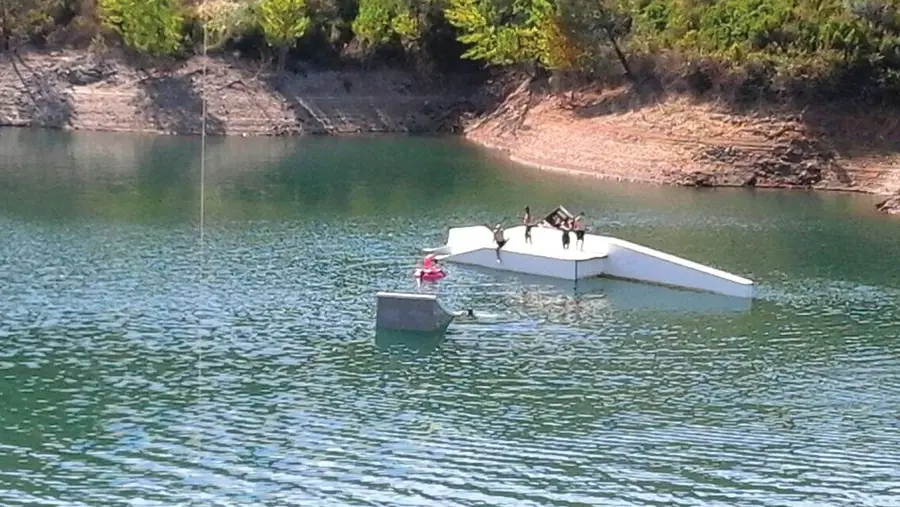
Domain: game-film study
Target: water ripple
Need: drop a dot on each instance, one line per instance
(137, 372)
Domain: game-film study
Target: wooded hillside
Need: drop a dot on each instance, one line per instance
(751, 48)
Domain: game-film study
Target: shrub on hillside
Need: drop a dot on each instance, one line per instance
(153, 27)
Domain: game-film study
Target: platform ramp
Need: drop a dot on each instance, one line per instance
(403, 311)
(635, 262)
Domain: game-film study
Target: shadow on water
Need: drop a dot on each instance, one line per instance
(627, 295)
(164, 179)
(368, 174)
(424, 343)
(404, 342)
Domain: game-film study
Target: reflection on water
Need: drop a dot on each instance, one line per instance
(390, 339)
(597, 294)
(125, 380)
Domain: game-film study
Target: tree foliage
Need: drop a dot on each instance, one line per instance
(595, 25)
(31, 20)
(12, 19)
(501, 33)
(149, 26)
(224, 19)
(381, 22)
(282, 22)
(854, 41)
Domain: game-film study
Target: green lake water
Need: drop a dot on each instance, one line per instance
(141, 366)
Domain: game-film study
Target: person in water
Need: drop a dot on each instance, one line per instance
(526, 219)
(467, 314)
(430, 268)
(579, 231)
(566, 226)
(430, 263)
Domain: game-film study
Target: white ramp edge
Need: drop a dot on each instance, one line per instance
(636, 262)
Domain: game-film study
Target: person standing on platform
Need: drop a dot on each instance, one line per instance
(566, 227)
(499, 239)
(579, 231)
(526, 219)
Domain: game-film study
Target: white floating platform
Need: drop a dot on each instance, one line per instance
(601, 256)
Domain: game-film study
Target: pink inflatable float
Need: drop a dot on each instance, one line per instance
(429, 272)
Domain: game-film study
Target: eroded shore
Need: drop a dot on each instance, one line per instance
(79, 91)
(676, 140)
(611, 133)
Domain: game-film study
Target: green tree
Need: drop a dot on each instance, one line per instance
(331, 19)
(224, 19)
(149, 26)
(22, 20)
(592, 24)
(283, 22)
(11, 15)
(525, 31)
(381, 22)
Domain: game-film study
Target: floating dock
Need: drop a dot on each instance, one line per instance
(599, 256)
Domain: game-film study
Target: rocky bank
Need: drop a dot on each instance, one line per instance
(613, 133)
(673, 139)
(80, 91)
(890, 205)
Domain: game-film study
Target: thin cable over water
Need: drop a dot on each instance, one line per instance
(199, 340)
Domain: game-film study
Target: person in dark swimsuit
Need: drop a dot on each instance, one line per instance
(579, 230)
(528, 225)
(566, 226)
(466, 315)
